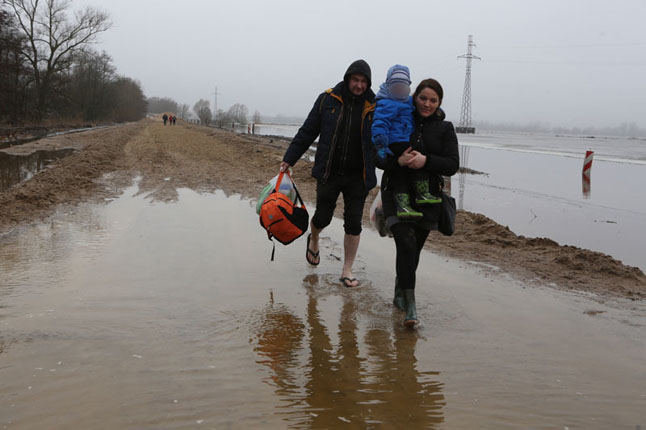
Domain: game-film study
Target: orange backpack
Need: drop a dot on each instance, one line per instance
(282, 218)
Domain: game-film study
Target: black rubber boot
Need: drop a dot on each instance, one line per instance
(404, 210)
(423, 196)
(399, 301)
(411, 312)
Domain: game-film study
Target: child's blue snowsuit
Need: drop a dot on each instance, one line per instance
(393, 122)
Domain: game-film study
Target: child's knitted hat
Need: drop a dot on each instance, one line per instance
(398, 74)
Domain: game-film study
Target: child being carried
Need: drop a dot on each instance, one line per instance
(392, 127)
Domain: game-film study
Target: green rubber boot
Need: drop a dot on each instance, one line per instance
(411, 313)
(399, 301)
(423, 196)
(404, 210)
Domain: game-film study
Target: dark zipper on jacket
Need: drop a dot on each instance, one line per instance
(348, 129)
(420, 137)
(335, 141)
(421, 147)
(326, 174)
(363, 152)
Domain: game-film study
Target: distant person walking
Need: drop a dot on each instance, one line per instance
(341, 118)
(174, 119)
(434, 151)
(165, 118)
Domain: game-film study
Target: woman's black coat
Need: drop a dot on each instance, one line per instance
(435, 138)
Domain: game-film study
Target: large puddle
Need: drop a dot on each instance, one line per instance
(148, 315)
(18, 168)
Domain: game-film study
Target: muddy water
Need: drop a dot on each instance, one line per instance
(18, 168)
(149, 315)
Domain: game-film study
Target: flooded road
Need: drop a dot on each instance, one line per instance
(152, 315)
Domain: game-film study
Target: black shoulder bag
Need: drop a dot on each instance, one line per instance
(446, 223)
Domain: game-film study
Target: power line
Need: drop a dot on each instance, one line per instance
(569, 63)
(576, 45)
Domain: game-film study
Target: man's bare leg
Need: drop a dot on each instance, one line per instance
(350, 247)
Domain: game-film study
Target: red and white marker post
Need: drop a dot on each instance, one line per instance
(587, 166)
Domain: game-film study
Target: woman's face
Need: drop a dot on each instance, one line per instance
(427, 102)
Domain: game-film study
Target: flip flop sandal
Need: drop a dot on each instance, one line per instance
(309, 252)
(345, 281)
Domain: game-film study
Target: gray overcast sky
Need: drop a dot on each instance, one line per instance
(571, 63)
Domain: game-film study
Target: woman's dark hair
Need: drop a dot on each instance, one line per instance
(432, 84)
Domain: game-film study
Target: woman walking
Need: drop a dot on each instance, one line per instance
(434, 150)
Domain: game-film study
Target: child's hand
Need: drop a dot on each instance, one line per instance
(382, 153)
(381, 143)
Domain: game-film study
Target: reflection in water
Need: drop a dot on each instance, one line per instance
(586, 185)
(370, 378)
(464, 163)
(280, 337)
(17, 168)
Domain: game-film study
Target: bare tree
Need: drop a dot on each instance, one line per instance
(221, 118)
(52, 38)
(203, 111)
(183, 111)
(238, 113)
(14, 81)
(128, 99)
(88, 90)
(256, 118)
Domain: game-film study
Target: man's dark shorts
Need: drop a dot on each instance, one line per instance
(354, 197)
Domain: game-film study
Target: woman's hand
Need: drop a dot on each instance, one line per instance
(417, 161)
(406, 157)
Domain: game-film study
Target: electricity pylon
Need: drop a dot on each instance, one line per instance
(464, 126)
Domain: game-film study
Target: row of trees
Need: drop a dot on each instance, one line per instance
(166, 104)
(48, 70)
(237, 113)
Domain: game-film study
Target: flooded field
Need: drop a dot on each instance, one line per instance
(533, 184)
(621, 149)
(539, 195)
(140, 315)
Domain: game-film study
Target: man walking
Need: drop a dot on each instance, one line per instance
(342, 119)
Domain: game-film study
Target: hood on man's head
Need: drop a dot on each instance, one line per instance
(359, 67)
